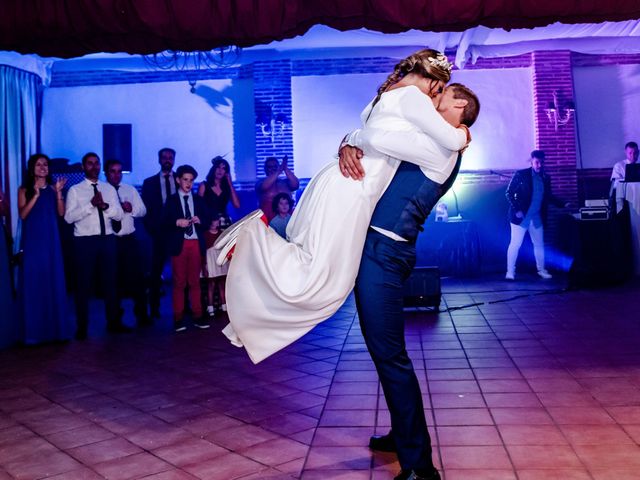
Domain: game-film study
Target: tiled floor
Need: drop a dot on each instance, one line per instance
(543, 385)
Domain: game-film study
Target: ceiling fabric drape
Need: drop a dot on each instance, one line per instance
(69, 28)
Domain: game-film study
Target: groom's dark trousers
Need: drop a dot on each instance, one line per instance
(385, 266)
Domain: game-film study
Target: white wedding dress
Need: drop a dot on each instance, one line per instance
(278, 290)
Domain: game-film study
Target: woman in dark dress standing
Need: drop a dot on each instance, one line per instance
(41, 287)
(217, 191)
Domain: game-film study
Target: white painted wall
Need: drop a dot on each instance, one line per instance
(608, 116)
(504, 133)
(325, 108)
(216, 120)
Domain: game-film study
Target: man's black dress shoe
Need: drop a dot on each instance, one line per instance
(382, 443)
(418, 475)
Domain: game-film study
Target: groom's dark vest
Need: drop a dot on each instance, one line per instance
(409, 199)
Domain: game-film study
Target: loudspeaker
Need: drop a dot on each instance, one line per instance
(422, 288)
(116, 144)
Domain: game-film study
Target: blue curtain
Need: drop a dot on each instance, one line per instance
(20, 105)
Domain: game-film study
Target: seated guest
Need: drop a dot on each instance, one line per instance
(42, 289)
(215, 274)
(130, 269)
(91, 205)
(186, 219)
(269, 187)
(283, 206)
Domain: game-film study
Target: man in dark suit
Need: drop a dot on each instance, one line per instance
(387, 260)
(529, 194)
(155, 192)
(186, 218)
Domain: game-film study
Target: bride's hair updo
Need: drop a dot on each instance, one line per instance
(427, 63)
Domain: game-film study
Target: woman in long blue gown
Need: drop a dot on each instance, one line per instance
(41, 289)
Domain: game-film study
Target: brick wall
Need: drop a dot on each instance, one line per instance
(552, 73)
(272, 97)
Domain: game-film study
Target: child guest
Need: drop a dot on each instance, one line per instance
(186, 218)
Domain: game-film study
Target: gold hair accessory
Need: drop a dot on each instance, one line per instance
(440, 62)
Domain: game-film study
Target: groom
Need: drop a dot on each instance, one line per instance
(387, 260)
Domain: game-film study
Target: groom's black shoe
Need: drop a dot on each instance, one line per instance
(382, 443)
(418, 475)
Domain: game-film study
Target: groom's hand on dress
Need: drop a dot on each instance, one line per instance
(350, 162)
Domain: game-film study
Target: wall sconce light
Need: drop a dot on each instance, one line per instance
(555, 114)
(192, 84)
(273, 125)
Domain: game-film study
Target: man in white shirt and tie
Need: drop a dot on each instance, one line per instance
(130, 276)
(91, 206)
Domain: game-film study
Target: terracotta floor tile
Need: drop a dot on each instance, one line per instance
(521, 416)
(336, 475)
(555, 385)
(563, 396)
(481, 474)
(354, 418)
(173, 474)
(206, 424)
(596, 435)
(276, 452)
(606, 456)
(532, 435)
(534, 457)
(553, 474)
(290, 423)
(351, 402)
(454, 386)
(511, 400)
(567, 399)
(625, 415)
(80, 436)
(504, 386)
(462, 416)
(149, 439)
(615, 474)
(236, 438)
(83, 473)
(228, 466)
(338, 458)
(580, 415)
(190, 451)
(41, 465)
(103, 451)
(457, 400)
(466, 435)
(342, 436)
(133, 466)
(475, 457)
(634, 432)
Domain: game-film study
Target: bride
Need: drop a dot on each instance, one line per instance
(278, 290)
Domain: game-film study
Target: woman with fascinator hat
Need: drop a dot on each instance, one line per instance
(277, 289)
